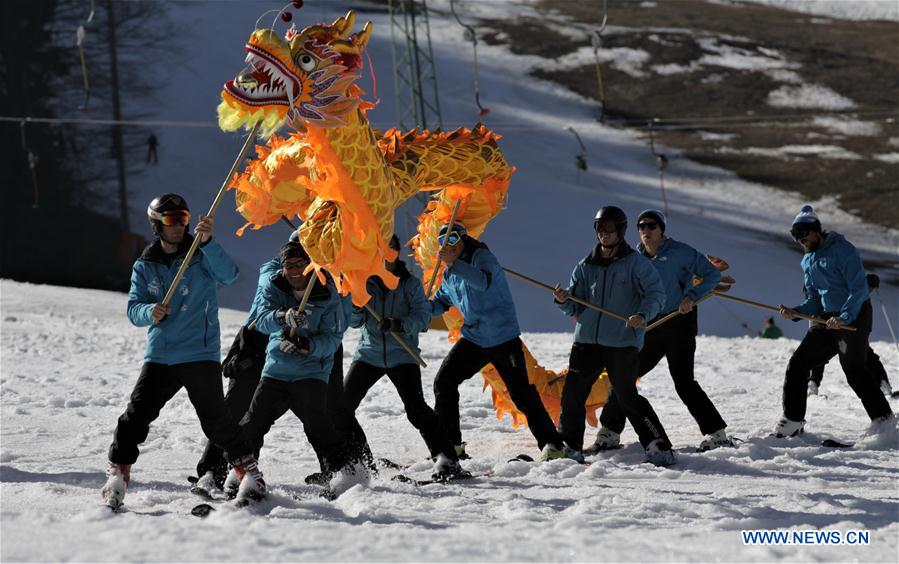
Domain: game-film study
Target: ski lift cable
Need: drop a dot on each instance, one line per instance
(472, 36)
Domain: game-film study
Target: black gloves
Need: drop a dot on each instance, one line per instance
(294, 345)
(388, 324)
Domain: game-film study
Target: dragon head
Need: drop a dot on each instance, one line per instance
(306, 78)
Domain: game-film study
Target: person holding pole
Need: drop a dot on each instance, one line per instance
(474, 282)
(183, 344)
(874, 365)
(406, 312)
(677, 264)
(299, 358)
(616, 277)
(836, 290)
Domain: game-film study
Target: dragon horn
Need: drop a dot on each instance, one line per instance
(355, 44)
(343, 26)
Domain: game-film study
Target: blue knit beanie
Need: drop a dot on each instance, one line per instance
(807, 218)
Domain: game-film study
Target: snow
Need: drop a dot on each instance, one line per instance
(70, 359)
(787, 151)
(809, 96)
(839, 9)
(848, 126)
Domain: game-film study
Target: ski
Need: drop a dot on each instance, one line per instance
(593, 450)
(522, 458)
(202, 510)
(391, 465)
(831, 443)
(463, 476)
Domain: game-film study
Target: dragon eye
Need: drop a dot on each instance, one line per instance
(307, 63)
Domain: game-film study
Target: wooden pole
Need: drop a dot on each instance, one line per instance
(576, 300)
(452, 222)
(215, 204)
(399, 339)
(777, 309)
(675, 313)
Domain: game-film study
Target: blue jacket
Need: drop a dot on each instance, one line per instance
(266, 272)
(408, 304)
(190, 333)
(477, 286)
(325, 325)
(626, 284)
(834, 279)
(676, 264)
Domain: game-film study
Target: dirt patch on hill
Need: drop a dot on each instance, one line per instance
(710, 71)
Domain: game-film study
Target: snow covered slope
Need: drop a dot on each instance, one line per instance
(69, 360)
(547, 227)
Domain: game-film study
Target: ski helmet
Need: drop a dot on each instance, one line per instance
(166, 205)
(612, 214)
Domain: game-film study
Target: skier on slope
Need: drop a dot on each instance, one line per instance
(243, 368)
(615, 277)
(873, 363)
(406, 312)
(299, 358)
(474, 282)
(182, 342)
(836, 290)
(676, 263)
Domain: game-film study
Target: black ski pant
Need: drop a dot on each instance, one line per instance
(155, 386)
(465, 360)
(873, 364)
(343, 416)
(406, 378)
(584, 367)
(820, 345)
(307, 400)
(678, 344)
(242, 386)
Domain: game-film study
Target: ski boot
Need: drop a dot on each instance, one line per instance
(460, 452)
(445, 468)
(812, 388)
(117, 478)
(659, 452)
(788, 428)
(715, 440)
(553, 452)
(606, 439)
(232, 484)
(252, 486)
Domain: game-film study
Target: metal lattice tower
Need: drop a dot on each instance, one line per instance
(414, 73)
(417, 99)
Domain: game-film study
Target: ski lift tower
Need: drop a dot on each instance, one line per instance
(415, 85)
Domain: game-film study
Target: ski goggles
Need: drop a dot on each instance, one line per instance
(650, 225)
(170, 218)
(603, 226)
(295, 264)
(449, 239)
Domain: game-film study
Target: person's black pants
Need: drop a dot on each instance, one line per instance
(820, 345)
(465, 360)
(155, 386)
(873, 364)
(307, 400)
(343, 416)
(584, 367)
(677, 343)
(406, 378)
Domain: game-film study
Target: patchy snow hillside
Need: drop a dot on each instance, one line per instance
(547, 226)
(70, 358)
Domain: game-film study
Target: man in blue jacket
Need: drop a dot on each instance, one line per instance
(615, 277)
(182, 345)
(677, 263)
(836, 290)
(299, 357)
(474, 282)
(405, 311)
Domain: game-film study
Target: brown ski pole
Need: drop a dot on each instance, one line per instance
(452, 222)
(576, 300)
(777, 309)
(215, 205)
